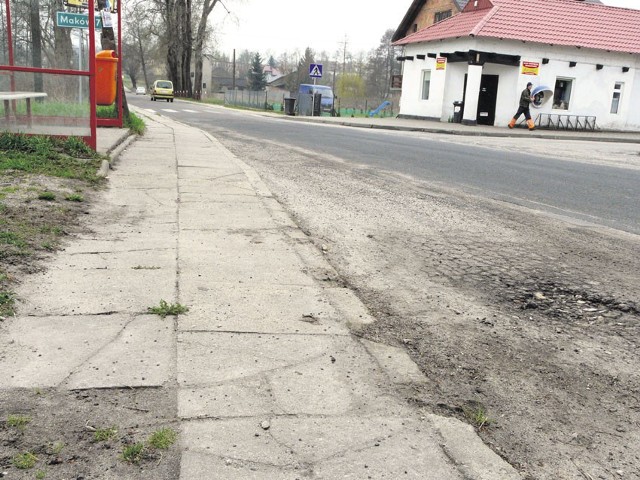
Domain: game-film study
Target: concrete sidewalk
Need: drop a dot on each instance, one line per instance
(268, 381)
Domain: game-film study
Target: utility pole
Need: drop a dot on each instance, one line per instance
(234, 70)
(344, 54)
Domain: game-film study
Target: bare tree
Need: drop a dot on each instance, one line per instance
(201, 35)
(140, 36)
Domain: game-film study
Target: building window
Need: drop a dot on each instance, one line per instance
(441, 16)
(426, 84)
(415, 27)
(562, 93)
(617, 94)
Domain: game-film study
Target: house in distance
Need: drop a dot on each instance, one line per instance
(585, 54)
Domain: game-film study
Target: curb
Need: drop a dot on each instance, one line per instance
(466, 133)
(114, 154)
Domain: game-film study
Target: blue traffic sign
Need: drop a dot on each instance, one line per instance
(315, 70)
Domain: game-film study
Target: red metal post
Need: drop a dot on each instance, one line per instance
(92, 76)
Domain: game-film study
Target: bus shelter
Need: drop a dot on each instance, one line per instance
(51, 80)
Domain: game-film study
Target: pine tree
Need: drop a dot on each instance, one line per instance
(257, 78)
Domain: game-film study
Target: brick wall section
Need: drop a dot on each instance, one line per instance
(426, 15)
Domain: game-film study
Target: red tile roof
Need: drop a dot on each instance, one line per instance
(556, 22)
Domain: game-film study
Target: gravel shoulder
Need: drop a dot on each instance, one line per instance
(532, 319)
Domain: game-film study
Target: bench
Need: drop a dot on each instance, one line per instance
(9, 98)
(563, 121)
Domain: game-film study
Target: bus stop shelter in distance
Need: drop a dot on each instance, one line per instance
(51, 80)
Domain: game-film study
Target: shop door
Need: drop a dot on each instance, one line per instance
(487, 100)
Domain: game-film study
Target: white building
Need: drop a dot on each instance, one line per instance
(587, 54)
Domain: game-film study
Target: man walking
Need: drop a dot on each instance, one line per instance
(525, 101)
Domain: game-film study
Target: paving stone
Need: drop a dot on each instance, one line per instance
(140, 356)
(44, 351)
(217, 306)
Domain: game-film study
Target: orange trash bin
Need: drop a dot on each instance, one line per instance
(106, 75)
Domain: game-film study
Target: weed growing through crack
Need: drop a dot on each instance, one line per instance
(18, 421)
(133, 453)
(24, 461)
(477, 416)
(104, 434)
(163, 438)
(165, 309)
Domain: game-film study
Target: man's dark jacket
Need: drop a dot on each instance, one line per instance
(525, 98)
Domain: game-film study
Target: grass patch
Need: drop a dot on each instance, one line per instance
(133, 453)
(18, 421)
(104, 434)
(477, 415)
(165, 309)
(36, 173)
(14, 239)
(163, 438)
(48, 196)
(7, 297)
(40, 474)
(24, 461)
(110, 111)
(135, 124)
(68, 158)
(7, 304)
(74, 197)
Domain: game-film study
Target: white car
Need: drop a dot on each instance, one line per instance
(141, 91)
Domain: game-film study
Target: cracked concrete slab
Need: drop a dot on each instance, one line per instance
(196, 195)
(194, 463)
(241, 439)
(396, 362)
(77, 292)
(141, 260)
(206, 358)
(44, 351)
(248, 257)
(224, 215)
(337, 447)
(407, 455)
(257, 308)
(243, 398)
(140, 356)
(467, 451)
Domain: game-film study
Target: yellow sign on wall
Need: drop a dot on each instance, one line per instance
(441, 63)
(530, 68)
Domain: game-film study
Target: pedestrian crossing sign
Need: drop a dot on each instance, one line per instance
(315, 70)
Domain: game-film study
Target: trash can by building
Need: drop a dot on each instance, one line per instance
(289, 106)
(458, 108)
(106, 77)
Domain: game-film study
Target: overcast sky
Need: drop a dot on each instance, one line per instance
(276, 26)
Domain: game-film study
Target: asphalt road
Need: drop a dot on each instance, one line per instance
(597, 194)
